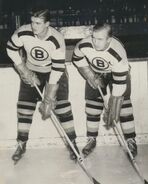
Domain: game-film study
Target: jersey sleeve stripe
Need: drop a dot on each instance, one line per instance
(54, 40)
(82, 62)
(25, 33)
(82, 45)
(126, 105)
(119, 78)
(114, 54)
(120, 74)
(12, 48)
(13, 44)
(61, 61)
(58, 65)
(121, 82)
(74, 55)
(58, 69)
(77, 59)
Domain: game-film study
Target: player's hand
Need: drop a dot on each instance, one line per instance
(28, 76)
(49, 101)
(46, 108)
(96, 81)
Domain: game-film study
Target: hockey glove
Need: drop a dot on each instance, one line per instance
(93, 79)
(49, 102)
(27, 75)
(113, 111)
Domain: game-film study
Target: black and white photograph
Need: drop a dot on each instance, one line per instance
(73, 92)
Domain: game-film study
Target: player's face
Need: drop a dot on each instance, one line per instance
(100, 39)
(38, 25)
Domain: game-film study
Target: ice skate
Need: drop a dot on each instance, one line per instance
(72, 154)
(91, 144)
(21, 149)
(131, 142)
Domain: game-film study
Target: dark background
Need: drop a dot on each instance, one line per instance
(129, 19)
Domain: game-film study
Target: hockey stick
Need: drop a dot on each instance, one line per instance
(123, 142)
(129, 153)
(60, 129)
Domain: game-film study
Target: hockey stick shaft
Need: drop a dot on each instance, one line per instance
(122, 140)
(80, 159)
(58, 126)
(129, 152)
(59, 130)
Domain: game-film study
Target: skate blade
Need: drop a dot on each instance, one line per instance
(74, 159)
(17, 160)
(85, 155)
(130, 159)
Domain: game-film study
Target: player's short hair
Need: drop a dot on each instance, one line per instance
(106, 26)
(44, 14)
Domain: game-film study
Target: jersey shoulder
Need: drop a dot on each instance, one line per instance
(56, 38)
(81, 46)
(85, 43)
(117, 48)
(26, 27)
(24, 30)
(116, 43)
(56, 32)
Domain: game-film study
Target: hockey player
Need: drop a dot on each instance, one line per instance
(44, 66)
(102, 60)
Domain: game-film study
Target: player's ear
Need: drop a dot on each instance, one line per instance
(109, 39)
(47, 23)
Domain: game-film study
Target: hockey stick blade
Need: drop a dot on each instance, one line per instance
(60, 129)
(15, 162)
(79, 158)
(95, 181)
(133, 161)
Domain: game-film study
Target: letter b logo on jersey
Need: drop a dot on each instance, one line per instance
(39, 53)
(100, 63)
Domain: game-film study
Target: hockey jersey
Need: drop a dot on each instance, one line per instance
(112, 59)
(46, 55)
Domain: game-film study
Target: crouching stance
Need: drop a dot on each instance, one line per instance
(101, 59)
(43, 65)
